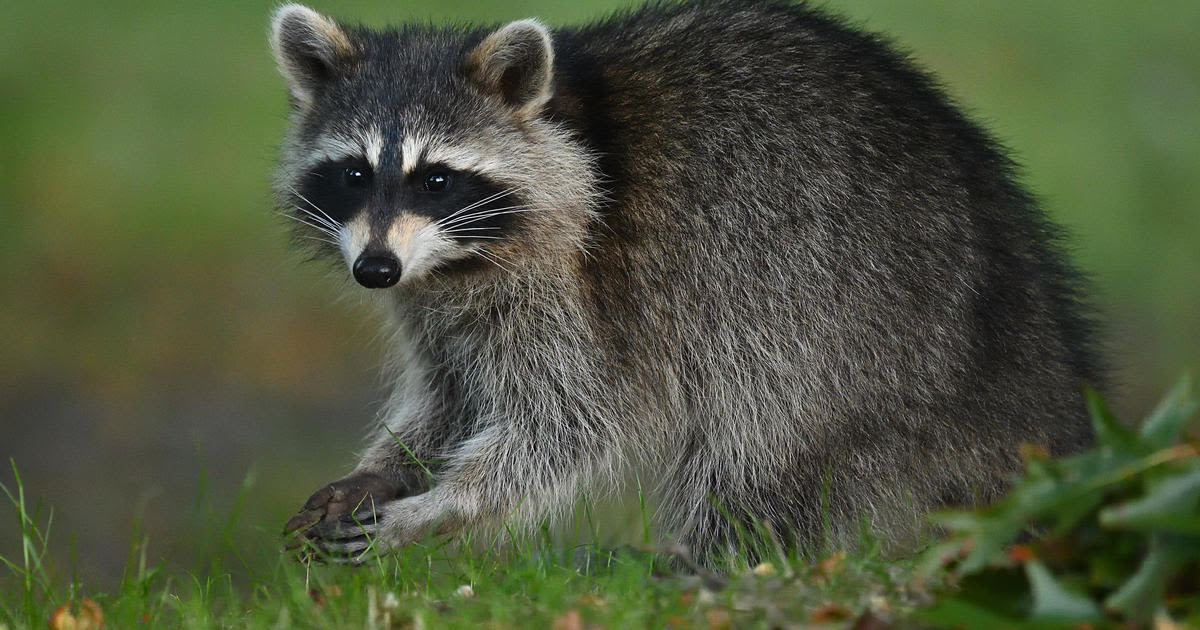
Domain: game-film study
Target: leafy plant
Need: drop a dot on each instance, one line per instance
(1109, 535)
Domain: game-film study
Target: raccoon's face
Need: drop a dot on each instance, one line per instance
(417, 152)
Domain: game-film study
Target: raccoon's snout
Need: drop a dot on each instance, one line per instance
(377, 272)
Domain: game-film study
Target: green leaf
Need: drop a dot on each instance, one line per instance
(935, 559)
(1172, 498)
(1121, 518)
(1038, 497)
(988, 545)
(1163, 426)
(1052, 602)
(987, 531)
(1073, 510)
(993, 599)
(1109, 431)
(953, 612)
(1142, 594)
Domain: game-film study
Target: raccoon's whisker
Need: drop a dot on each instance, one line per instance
(335, 223)
(467, 208)
(520, 205)
(318, 219)
(468, 233)
(484, 256)
(490, 198)
(463, 215)
(488, 227)
(488, 257)
(323, 218)
(323, 240)
(487, 215)
(325, 222)
(498, 256)
(450, 217)
(482, 213)
(315, 226)
(309, 202)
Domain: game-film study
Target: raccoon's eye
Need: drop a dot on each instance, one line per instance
(354, 177)
(437, 182)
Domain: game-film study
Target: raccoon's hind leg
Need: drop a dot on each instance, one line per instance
(719, 513)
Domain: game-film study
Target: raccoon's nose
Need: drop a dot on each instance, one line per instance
(376, 272)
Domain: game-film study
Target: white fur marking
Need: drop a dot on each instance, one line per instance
(410, 151)
(353, 239)
(372, 142)
(461, 158)
(334, 148)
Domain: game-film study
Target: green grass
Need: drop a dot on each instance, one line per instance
(511, 581)
(1107, 537)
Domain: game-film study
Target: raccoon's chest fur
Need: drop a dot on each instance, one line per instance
(756, 248)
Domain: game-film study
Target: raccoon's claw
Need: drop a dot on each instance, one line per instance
(353, 546)
(354, 552)
(346, 540)
(350, 538)
(362, 523)
(302, 521)
(341, 511)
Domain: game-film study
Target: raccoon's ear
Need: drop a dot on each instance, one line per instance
(515, 63)
(308, 48)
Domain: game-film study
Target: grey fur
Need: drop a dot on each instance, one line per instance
(760, 255)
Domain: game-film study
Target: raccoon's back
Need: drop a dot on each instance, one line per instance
(760, 88)
(801, 215)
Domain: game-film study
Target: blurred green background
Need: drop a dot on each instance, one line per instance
(159, 344)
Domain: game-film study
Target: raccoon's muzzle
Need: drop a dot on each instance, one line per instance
(375, 271)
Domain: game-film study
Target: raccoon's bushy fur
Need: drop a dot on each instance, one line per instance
(758, 256)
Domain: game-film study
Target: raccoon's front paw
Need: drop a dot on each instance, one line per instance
(331, 504)
(383, 528)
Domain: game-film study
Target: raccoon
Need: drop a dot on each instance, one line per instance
(737, 245)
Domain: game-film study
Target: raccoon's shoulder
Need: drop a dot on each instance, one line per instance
(681, 31)
(692, 55)
(645, 77)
